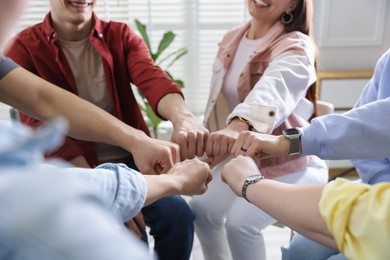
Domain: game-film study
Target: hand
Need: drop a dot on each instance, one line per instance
(136, 225)
(220, 143)
(154, 156)
(237, 171)
(260, 146)
(190, 136)
(80, 162)
(191, 177)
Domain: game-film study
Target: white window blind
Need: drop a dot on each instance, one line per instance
(199, 25)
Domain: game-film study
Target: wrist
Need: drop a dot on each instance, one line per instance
(133, 140)
(284, 144)
(179, 117)
(173, 186)
(239, 125)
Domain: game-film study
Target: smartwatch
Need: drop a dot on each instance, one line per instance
(250, 180)
(294, 135)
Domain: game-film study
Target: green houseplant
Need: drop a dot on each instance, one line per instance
(165, 61)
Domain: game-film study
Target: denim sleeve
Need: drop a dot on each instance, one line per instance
(6, 66)
(47, 213)
(123, 189)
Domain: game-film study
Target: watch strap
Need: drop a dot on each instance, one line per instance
(249, 182)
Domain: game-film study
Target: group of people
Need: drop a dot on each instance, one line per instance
(263, 143)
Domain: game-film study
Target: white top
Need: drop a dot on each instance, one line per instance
(241, 58)
(88, 71)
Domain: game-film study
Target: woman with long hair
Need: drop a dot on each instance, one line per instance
(264, 79)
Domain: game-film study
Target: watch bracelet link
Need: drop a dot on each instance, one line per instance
(248, 182)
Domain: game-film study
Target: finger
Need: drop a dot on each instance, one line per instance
(133, 227)
(158, 169)
(165, 165)
(216, 148)
(209, 145)
(236, 150)
(253, 151)
(139, 220)
(191, 140)
(183, 149)
(175, 150)
(200, 141)
(147, 170)
(230, 145)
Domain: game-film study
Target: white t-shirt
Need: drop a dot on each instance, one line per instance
(88, 71)
(243, 54)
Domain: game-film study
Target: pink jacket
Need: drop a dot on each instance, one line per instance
(272, 89)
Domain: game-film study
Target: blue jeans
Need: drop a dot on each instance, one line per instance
(303, 248)
(171, 223)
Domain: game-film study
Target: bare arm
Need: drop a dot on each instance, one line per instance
(296, 206)
(188, 133)
(42, 100)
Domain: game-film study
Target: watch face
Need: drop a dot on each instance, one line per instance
(253, 178)
(292, 131)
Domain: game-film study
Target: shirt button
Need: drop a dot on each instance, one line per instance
(100, 35)
(271, 113)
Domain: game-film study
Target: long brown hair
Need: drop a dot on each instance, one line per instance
(302, 22)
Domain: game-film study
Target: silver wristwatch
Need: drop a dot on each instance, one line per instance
(294, 135)
(250, 180)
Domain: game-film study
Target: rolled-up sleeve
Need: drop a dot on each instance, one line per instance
(123, 189)
(278, 92)
(6, 66)
(358, 216)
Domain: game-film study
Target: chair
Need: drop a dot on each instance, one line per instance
(324, 108)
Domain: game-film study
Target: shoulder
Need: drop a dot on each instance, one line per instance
(234, 33)
(113, 27)
(297, 43)
(31, 33)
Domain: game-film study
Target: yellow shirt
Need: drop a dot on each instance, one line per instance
(358, 216)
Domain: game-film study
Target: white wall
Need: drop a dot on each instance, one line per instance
(351, 34)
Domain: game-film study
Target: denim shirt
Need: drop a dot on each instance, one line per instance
(21, 150)
(51, 212)
(362, 133)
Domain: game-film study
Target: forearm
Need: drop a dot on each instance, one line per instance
(362, 133)
(293, 205)
(159, 186)
(173, 108)
(44, 101)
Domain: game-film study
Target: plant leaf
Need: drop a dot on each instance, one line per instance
(179, 55)
(154, 120)
(144, 34)
(171, 55)
(180, 83)
(167, 39)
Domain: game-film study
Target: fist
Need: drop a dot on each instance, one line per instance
(191, 177)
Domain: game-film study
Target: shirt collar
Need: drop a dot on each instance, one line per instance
(97, 30)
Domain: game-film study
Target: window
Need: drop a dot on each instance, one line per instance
(199, 25)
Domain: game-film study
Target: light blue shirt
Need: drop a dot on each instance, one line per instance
(362, 134)
(51, 212)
